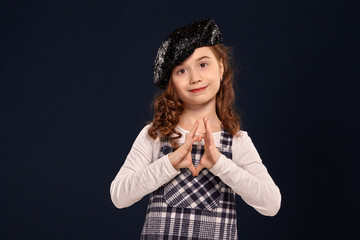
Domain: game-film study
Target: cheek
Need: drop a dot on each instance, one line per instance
(178, 87)
(215, 82)
(214, 77)
(217, 86)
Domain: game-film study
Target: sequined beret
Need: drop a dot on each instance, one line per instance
(180, 44)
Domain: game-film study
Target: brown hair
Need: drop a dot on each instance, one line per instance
(168, 106)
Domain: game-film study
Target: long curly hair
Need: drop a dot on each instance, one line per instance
(168, 106)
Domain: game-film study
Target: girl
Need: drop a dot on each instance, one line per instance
(193, 157)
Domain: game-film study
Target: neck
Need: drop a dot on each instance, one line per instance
(198, 112)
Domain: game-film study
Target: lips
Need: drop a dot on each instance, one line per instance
(196, 90)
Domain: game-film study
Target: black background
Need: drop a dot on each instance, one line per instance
(76, 86)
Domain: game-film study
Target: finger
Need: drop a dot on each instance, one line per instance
(189, 143)
(209, 136)
(194, 128)
(207, 126)
(201, 136)
(186, 136)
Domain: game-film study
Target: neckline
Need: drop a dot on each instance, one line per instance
(186, 131)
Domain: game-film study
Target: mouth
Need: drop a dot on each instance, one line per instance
(196, 90)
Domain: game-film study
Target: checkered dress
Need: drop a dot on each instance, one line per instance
(200, 208)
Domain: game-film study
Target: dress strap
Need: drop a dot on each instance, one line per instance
(226, 144)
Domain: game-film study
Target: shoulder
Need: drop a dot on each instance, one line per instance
(242, 141)
(144, 133)
(241, 136)
(145, 144)
(244, 150)
(145, 129)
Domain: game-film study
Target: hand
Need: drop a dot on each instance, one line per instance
(211, 153)
(181, 158)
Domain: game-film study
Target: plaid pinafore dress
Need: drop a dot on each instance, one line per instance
(200, 208)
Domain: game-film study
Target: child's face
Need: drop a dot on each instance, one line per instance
(197, 79)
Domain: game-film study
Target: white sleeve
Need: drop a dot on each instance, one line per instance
(140, 174)
(248, 177)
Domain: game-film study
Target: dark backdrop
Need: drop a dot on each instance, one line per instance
(76, 86)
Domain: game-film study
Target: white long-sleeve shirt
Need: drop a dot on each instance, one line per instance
(143, 172)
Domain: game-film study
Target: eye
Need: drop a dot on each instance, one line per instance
(181, 71)
(202, 65)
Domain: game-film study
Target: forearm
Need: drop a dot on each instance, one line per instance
(130, 186)
(258, 190)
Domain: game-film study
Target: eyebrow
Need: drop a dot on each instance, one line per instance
(197, 60)
(201, 58)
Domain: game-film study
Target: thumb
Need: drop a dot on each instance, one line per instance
(192, 169)
(199, 168)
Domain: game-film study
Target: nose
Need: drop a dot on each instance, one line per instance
(195, 77)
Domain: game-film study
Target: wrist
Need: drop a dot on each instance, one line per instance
(172, 159)
(218, 166)
(216, 155)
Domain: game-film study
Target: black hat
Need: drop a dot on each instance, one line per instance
(180, 44)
